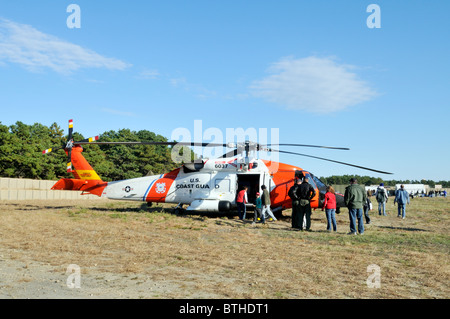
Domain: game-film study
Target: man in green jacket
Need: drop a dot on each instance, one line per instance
(266, 204)
(354, 198)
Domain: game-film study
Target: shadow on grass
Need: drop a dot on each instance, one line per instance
(144, 208)
(129, 209)
(403, 228)
(30, 207)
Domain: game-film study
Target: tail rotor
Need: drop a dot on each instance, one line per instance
(69, 145)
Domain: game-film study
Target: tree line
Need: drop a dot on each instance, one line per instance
(21, 147)
(367, 181)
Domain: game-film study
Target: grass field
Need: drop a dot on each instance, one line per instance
(222, 257)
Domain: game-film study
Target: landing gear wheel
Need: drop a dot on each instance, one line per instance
(179, 210)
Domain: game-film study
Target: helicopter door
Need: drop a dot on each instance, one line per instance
(252, 182)
(222, 189)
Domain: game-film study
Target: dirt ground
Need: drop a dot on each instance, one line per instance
(37, 280)
(123, 250)
(35, 276)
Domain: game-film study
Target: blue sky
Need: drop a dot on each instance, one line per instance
(312, 69)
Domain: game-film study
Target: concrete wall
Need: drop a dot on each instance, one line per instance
(29, 189)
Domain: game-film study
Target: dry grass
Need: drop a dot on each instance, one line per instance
(225, 258)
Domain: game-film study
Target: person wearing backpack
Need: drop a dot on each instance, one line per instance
(382, 197)
(292, 193)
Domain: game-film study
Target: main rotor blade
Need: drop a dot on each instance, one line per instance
(230, 154)
(305, 145)
(154, 143)
(329, 160)
(202, 144)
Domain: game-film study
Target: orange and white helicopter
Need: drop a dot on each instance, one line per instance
(204, 185)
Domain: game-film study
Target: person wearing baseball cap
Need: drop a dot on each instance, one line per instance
(258, 210)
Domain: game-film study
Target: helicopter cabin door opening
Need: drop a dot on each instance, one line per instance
(252, 182)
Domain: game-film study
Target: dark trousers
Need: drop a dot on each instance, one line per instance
(366, 214)
(241, 210)
(258, 213)
(296, 222)
(305, 211)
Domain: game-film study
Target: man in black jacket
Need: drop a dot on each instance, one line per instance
(305, 193)
(293, 194)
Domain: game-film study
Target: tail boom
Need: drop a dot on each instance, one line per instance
(86, 186)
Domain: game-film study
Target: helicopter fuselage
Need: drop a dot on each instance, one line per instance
(212, 185)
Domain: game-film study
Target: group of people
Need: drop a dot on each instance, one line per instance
(262, 205)
(401, 198)
(433, 193)
(356, 199)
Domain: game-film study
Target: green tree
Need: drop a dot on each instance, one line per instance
(21, 155)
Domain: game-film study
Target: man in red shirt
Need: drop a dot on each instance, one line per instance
(241, 200)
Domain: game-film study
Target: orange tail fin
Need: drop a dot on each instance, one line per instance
(86, 179)
(82, 169)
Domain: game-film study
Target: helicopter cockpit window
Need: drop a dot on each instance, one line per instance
(321, 186)
(310, 179)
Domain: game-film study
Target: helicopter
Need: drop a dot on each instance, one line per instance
(207, 185)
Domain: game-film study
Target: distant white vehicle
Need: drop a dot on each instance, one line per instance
(413, 189)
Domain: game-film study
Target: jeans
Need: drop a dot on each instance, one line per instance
(258, 213)
(401, 210)
(382, 205)
(331, 218)
(241, 210)
(356, 214)
(266, 208)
